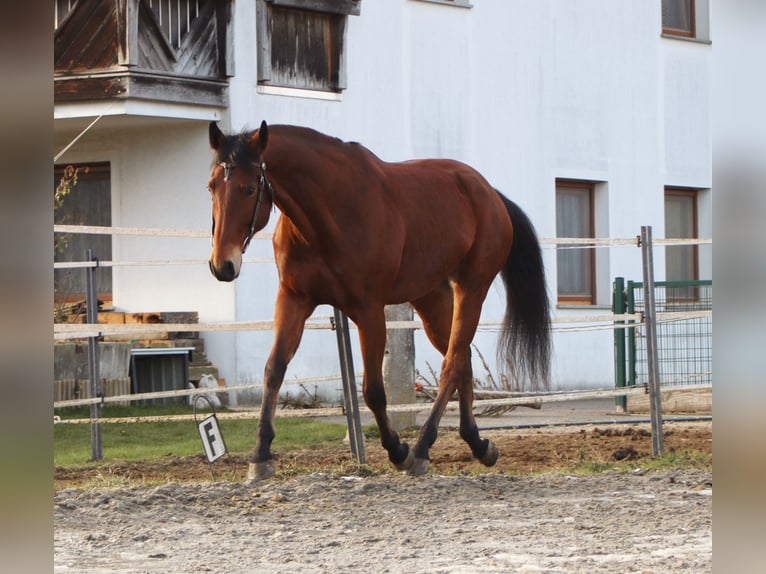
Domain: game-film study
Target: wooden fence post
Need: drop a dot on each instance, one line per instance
(399, 365)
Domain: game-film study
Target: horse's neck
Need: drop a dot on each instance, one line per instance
(303, 192)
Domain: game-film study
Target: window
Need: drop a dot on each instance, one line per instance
(301, 44)
(681, 261)
(575, 265)
(678, 17)
(688, 19)
(88, 202)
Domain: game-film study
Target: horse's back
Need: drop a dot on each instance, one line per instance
(454, 223)
(397, 231)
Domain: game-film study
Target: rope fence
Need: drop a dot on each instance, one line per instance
(64, 331)
(95, 331)
(520, 399)
(160, 232)
(557, 242)
(69, 331)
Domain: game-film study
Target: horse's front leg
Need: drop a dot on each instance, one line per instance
(372, 339)
(290, 316)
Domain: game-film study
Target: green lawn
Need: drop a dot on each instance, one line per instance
(147, 440)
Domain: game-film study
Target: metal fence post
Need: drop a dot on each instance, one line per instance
(91, 302)
(618, 308)
(355, 434)
(655, 398)
(631, 308)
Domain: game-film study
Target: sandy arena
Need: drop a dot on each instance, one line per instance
(526, 514)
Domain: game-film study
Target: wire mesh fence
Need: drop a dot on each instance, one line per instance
(684, 345)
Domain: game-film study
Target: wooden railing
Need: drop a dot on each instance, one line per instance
(173, 50)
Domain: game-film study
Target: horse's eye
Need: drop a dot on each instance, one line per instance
(250, 189)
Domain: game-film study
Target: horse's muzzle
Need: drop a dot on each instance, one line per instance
(227, 271)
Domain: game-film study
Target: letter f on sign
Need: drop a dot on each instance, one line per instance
(212, 439)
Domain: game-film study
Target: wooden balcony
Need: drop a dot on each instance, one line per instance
(167, 51)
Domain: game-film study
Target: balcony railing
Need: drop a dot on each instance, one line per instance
(162, 50)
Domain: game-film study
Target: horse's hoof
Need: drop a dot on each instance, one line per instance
(406, 464)
(419, 467)
(490, 457)
(260, 470)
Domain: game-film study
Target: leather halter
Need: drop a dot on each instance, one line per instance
(263, 185)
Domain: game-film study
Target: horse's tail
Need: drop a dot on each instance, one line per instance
(525, 340)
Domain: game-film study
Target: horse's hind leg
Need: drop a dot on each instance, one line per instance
(435, 310)
(456, 374)
(483, 449)
(372, 339)
(289, 318)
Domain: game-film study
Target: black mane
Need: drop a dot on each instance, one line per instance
(235, 150)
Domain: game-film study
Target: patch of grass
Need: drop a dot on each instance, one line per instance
(149, 440)
(105, 478)
(371, 431)
(684, 459)
(671, 460)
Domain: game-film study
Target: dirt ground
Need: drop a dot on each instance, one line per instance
(522, 451)
(530, 513)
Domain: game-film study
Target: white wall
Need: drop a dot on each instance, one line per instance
(527, 92)
(159, 171)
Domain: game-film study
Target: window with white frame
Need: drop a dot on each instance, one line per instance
(301, 44)
(576, 266)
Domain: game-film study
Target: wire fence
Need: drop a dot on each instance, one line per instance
(632, 321)
(684, 344)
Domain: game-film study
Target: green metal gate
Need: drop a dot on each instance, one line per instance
(684, 335)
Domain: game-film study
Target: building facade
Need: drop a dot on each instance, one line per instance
(593, 116)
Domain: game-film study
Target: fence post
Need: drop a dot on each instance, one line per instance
(618, 308)
(91, 303)
(631, 308)
(655, 398)
(399, 365)
(355, 434)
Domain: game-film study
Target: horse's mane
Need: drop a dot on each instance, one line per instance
(235, 148)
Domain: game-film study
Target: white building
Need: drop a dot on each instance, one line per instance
(593, 106)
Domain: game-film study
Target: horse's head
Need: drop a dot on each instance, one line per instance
(242, 196)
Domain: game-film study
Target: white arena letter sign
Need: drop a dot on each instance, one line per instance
(212, 439)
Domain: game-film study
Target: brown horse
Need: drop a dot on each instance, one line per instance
(359, 233)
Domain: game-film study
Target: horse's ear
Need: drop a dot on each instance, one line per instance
(216, 136)
(260, 138)
(263, 134)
